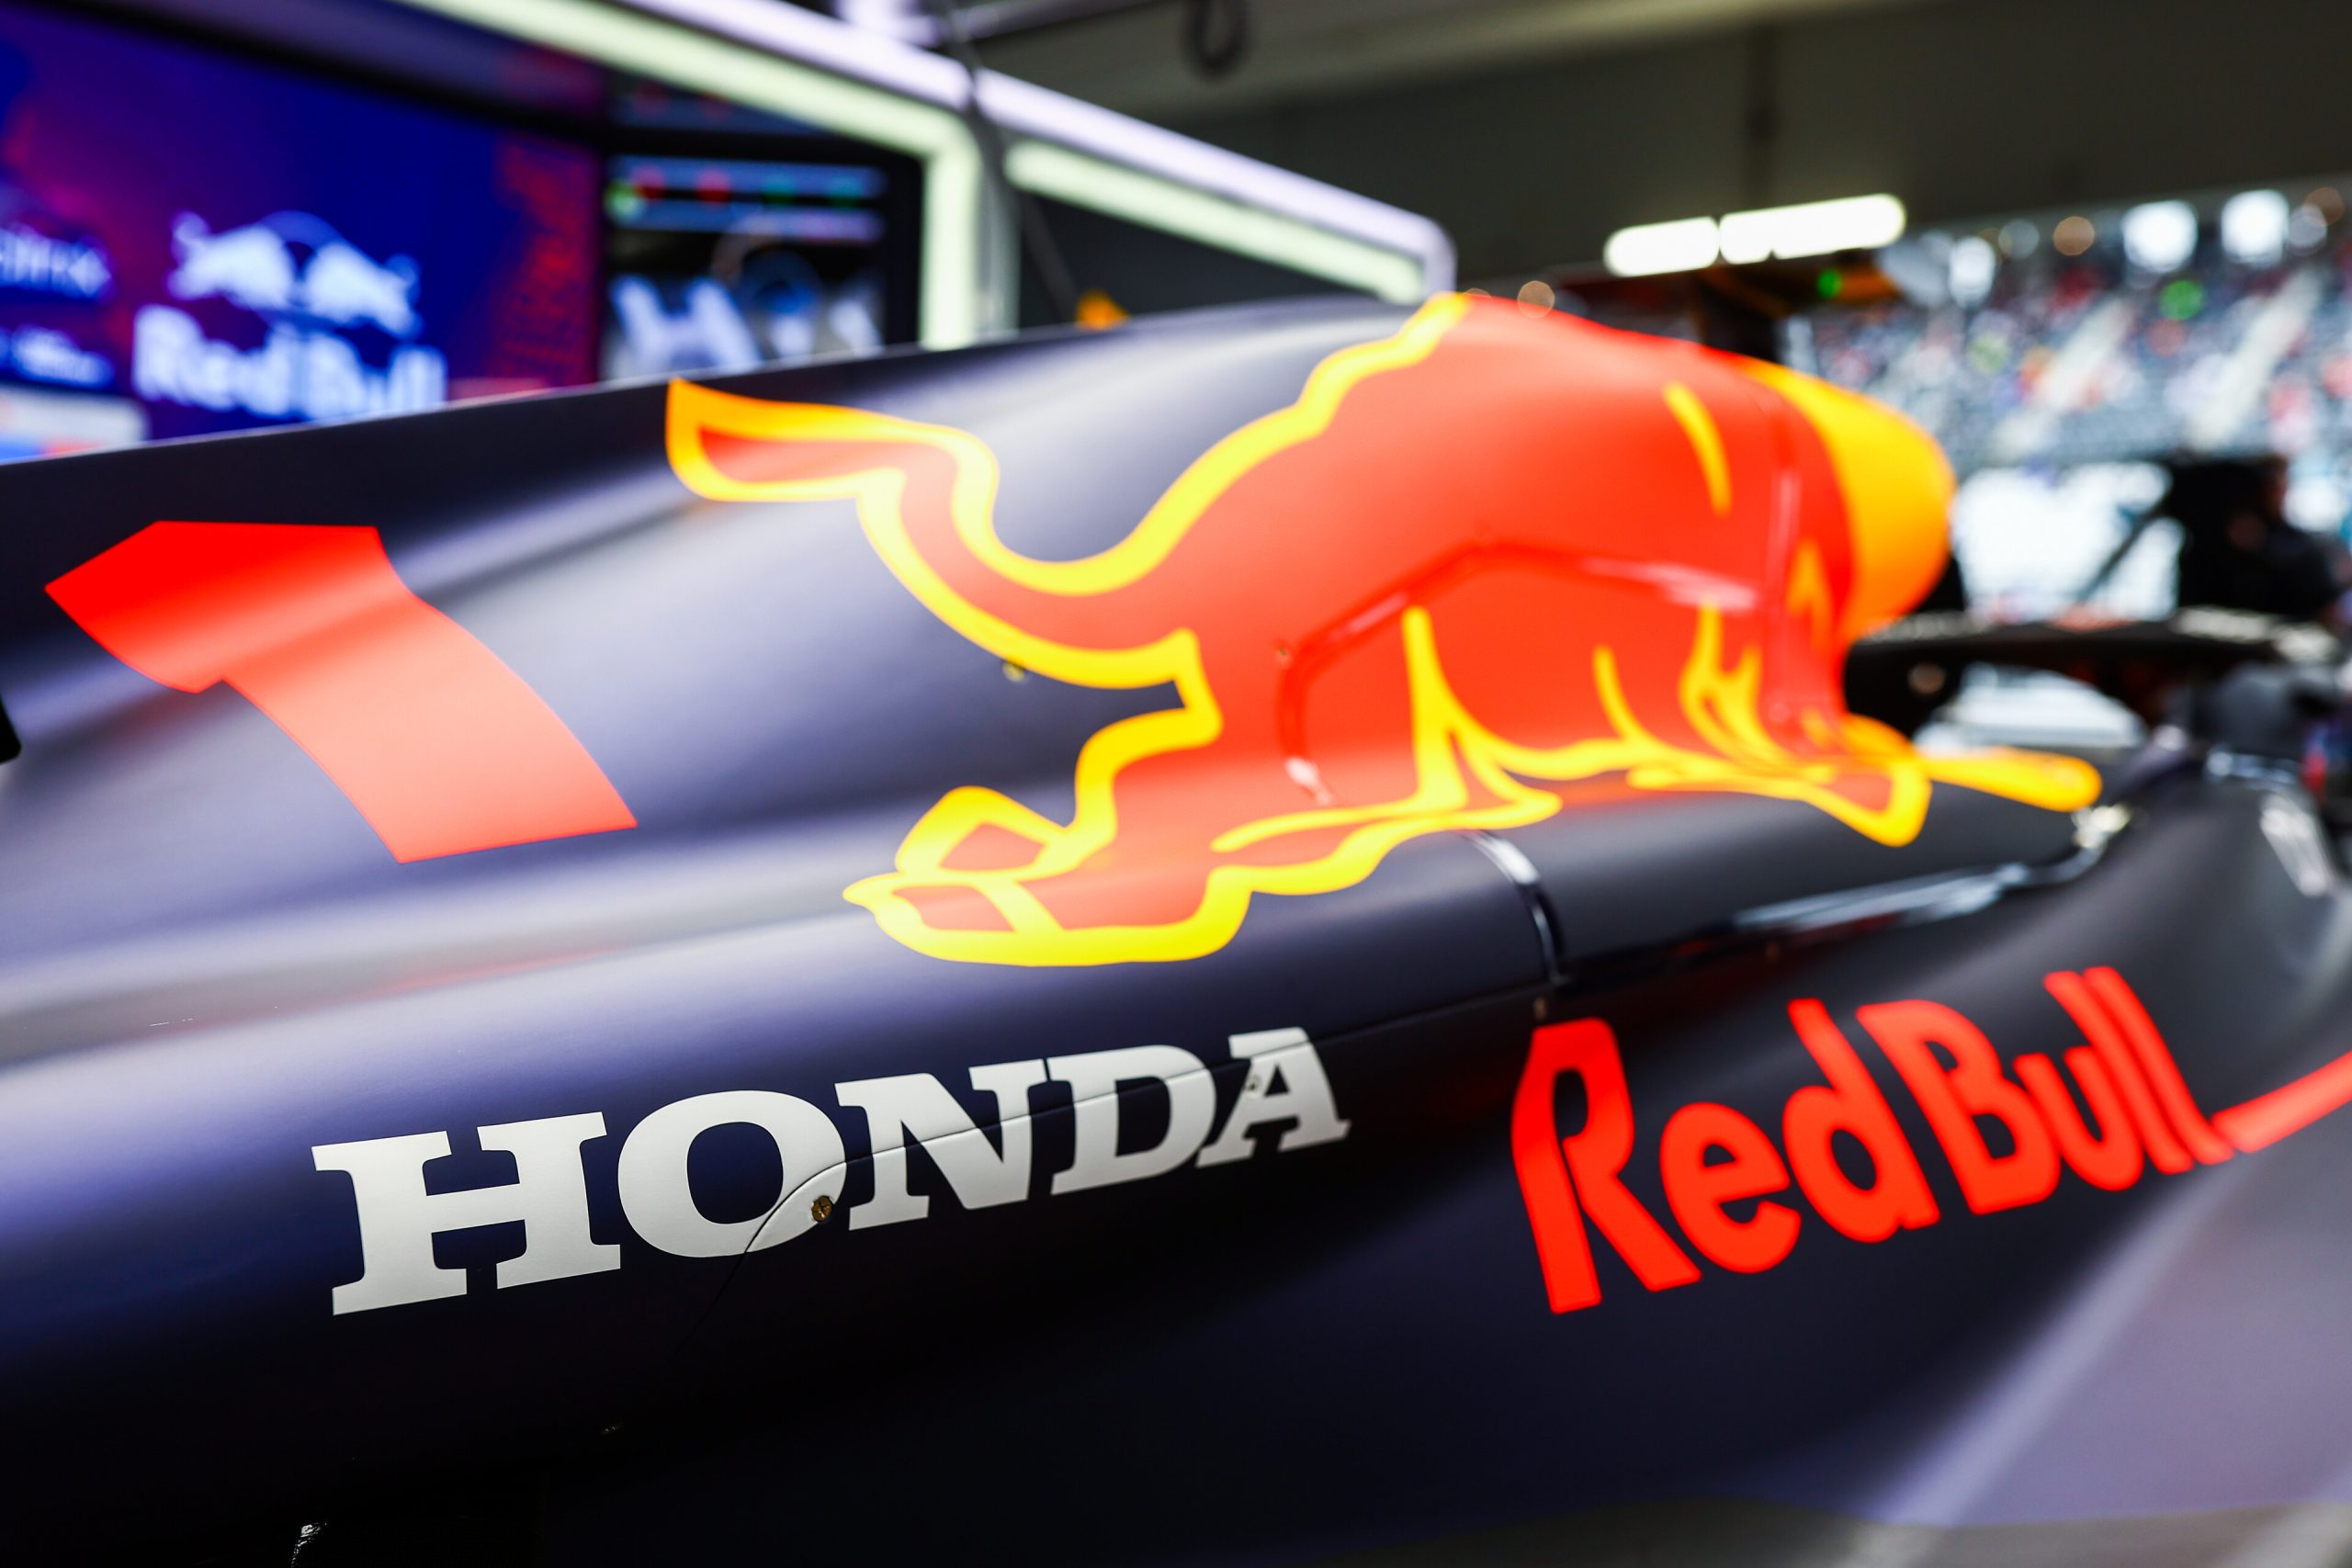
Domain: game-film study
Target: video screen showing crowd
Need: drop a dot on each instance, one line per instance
(2148, 407)
(2159, 329)
(2149, 410)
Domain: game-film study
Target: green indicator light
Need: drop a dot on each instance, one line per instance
(2181, 299)
(1830, 284)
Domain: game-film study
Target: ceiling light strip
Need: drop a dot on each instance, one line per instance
(1742, 239)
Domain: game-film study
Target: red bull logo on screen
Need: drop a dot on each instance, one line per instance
(1475, 567)
(312, 285)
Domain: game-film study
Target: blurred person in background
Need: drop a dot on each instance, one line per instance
(2238, 551)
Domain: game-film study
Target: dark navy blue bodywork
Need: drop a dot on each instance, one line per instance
(209, 965)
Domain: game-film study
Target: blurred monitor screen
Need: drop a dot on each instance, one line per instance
(191, 243)
(722, 263)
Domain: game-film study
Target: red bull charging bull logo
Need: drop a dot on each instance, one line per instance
(1474, 566)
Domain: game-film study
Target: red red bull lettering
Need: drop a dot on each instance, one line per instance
(2140, 1113)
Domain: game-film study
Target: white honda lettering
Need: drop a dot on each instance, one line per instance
(1285, 1086)
(1094, 1079)
(660, 1201)
(1284, 1056)
(399, 1219)
(917, 1103)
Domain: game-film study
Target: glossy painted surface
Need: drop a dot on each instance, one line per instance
(1473, 561)
(213, 970)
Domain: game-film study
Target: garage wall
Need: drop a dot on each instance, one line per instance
(1964, 108)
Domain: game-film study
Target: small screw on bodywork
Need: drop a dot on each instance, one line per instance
(1542, 1008)
(1013, 672)
(1281, 653)
(821, 1210)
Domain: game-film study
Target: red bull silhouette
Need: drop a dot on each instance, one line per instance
(262, 267)
(252, 267)
(1474, 568)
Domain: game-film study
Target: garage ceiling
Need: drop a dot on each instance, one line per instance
(1303, 49)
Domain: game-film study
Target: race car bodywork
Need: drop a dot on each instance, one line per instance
(1252, 938)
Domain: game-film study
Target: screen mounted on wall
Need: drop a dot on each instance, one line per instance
(720, 263)
(192, 242)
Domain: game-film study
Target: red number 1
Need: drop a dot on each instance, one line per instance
(441, 746)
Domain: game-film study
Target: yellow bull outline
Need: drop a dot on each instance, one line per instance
(1720, 704)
